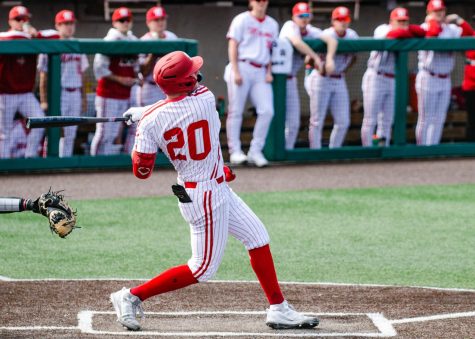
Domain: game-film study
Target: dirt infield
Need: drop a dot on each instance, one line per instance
(80, 309)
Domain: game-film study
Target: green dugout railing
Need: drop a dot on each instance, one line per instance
(54, 48)
(275, 146)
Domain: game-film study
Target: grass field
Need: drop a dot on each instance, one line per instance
(405, 236)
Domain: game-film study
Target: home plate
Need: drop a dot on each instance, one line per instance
(235, 323)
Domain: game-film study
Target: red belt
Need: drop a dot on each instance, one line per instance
(290, 77)
(438, 75)
(252, 63)
(334, 76)
(193, 184)
(387, 75)
(71, 89)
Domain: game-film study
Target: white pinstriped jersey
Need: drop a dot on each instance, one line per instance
(291, 29)
(72, 68)
(439, 62)
(381, 61)
(254, 37)
(149, 36)
(186, 129)
(342, 61)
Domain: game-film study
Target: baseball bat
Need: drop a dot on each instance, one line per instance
(62, 121)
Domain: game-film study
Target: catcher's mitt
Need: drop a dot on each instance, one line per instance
(62, 219)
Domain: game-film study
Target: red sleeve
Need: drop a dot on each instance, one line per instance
(399, 33)
(417, 31)
(434, 28)
(142, 164)
(467, 30)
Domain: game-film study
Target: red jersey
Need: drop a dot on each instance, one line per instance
(468, 83)
(122, 66)
(18, 72)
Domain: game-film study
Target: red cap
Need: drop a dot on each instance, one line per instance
(301, 8)
(157, 12)
(435, 5)
(65, 16)
(19, 11)
(399, 13)
(341, 13)
(121, 13)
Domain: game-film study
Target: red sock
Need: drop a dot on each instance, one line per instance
(263, 265)
(170, 280)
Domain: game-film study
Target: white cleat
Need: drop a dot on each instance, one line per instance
(126, 306)
(284, 316)
(237, 158)
(257, 158)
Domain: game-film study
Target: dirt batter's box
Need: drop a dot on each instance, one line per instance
(236, 323)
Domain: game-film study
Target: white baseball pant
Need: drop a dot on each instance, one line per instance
(215, 212)
(260, 92)
(378, 104)
(28, 106)
(292, 114)
(326, 92)
(433, 99)
(70, 105)
(103, 141)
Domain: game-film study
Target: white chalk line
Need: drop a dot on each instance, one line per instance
(302, 283)
(433, 317)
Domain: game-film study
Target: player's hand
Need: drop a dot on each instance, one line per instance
(29, 29)
(127, 81)
(269, 78)
(133, 115)
(44, 106)
(237, 78)
(454, 19)
(329, 66)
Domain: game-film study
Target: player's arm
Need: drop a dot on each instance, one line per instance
(417, 31)
(332, 45)
(101, 70)
(146, 66)
(83, 94)
(142, 164)
(434, 27)
(233, 59)
(11, 205)
(456, 19)
(43, 91)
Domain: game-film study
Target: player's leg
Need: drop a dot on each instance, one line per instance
(386, 118)
(263, 99)
(292, 114)
(237, 95)
(340, 108)
(70, 105)
(440, 111)
(103, 141)
(319, 101)
(30, 107)
(423, 83)
(371, 87)
(245, 226)
(8, 107)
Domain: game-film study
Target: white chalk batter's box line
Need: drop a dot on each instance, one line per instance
(384, 325)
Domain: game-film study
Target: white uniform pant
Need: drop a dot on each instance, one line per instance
(327, 92)
(28, 106)
(433, 99)
(260, 92)
(378, 103)
(70, 105)
(292, 114)
(106, 133)
(149, 94)
(214, 213)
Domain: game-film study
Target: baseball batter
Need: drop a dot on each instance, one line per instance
(248, 73)
(17, 80)
(329, 90)
(378, 80)
(73, 95)
(116, 74)
(185, 126)
(156, 18)
(433, 83)
(295, 30)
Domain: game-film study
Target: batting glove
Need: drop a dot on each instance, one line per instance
(133, 114)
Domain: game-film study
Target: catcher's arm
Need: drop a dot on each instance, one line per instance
(11, 205)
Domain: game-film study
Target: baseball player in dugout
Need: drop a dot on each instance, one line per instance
(295, 30)
(185, 126)
(73, 92)
(250, 38)
(17, 81)
(115, 74)
(468, 87)
(329, 89)
(433, 83)
(378, 81)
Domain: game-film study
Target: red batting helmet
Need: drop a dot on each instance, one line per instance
(173, 72)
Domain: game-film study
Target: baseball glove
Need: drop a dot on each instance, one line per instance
(62, 219)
